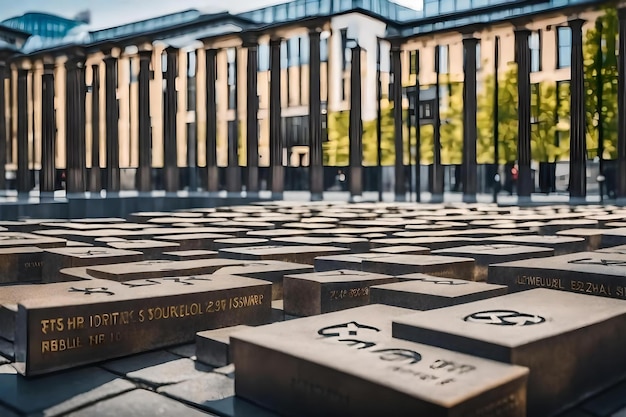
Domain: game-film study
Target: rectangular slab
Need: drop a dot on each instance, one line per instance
(484, 255)
(293, 253)
(440, 266)
(323, 292)
(593, 237)
(562, 245)
(193, 241)
(213, 346)
(158, 269)
(432, 243)
(569, 341)
(189, 255)
(151, 249)
(90, 324)
(60, 258)
(346, 364)
(403, 250)
(273, 271)
(15, 239)
(593, 273)
(427, 292)
(20, 264)
(352, 261)
(355, 244)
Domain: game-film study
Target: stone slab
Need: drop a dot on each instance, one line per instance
(403, 250)
(89, 324)
(618, 250)
(158, 269)
(324, 292)
(562, 245)
(441, 266)
(426, 292)
(194, 241)
(151, 249)
(484, 255)
(20, 264)
(167, 373)
(139, 403)
(213, 346)
(355, 244)
(433, 243)
(293, 253)
(593, 237)
(346, 364)
(353, 261)
(273, 271)
(566, 340)
(235, 242)
(593, 273)
(16, 239)
(56, 259)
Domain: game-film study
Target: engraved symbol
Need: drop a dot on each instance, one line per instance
(504, 318)
(345, 329)
(185, 279)
(605, 262)
(91, 252)
(89, 291)
(154, 262)
(146, 283)
(441, 281)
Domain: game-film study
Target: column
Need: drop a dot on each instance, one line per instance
(95, 174)
(48, 128)
(396, 65)
(522, 57)
(469, 120)
(211, 121)
(355, 129)
(112, 125)
(252, 110)
(23, 172)
(3, 124)
(621, 103)
(170, 147)
(144, 173)
(75, 124)
(578, 149)
(437, 168)
(233, 171)
(418, 137)
(316, 162)
(276, 143)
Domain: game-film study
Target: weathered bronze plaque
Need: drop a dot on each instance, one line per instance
(346, 364)
(567, 340)
(89, 324)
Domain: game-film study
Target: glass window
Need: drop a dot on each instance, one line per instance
(264, 57)
(443, 67)
(284, 59)
(231, 54)
(564, 50)
(191, 64)
(304, 50)
(413, 60)
(324, 50)
(534, 103)
(294, 52)
(534, 43)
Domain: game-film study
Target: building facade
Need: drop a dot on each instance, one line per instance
(268, 98)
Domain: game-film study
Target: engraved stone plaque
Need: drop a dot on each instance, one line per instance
(158, 269)
(592, 273)
(427, 292)
(20, 264)
(323, 292)
(441, 266)
(60, 258)
(346, 364)
(567, 340)
(89, 324)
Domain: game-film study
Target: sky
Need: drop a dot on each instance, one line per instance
(106, 13)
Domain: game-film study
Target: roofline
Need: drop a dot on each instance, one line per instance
(25, 34)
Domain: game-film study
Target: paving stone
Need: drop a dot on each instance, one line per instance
(56, 259)
(58, 394)
(189, 255)
(441, 266)
(278, 310)
(228, 370)
(594, 273)
(134, 363)
(5, 412)
(323, 292)
(294, 253)
(94, 324)
(346, 364)
(353, 261)
(567, 340)
(214, 393)
(608, 402)
(7, 349)
(188, 350)
(485, 255)
(20, 264)
(138, 403)
(167, 373)
(213, 346)
(426, 292)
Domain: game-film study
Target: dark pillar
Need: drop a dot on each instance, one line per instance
(211, 121)
(75, 125)
(112, 138)
(396, 65)
(316, 162)
(355, 128)
(578, 149)
(252, 110)
(95, 175)
(522, 57)
(469, 120)
(23, 173)
(379, 132)
(144, 172)
(233, 171)
(170, 147)
(621, 104)
(276, 142)
(3, 125)
(418, 124)
(48, 128)
(437, 169)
